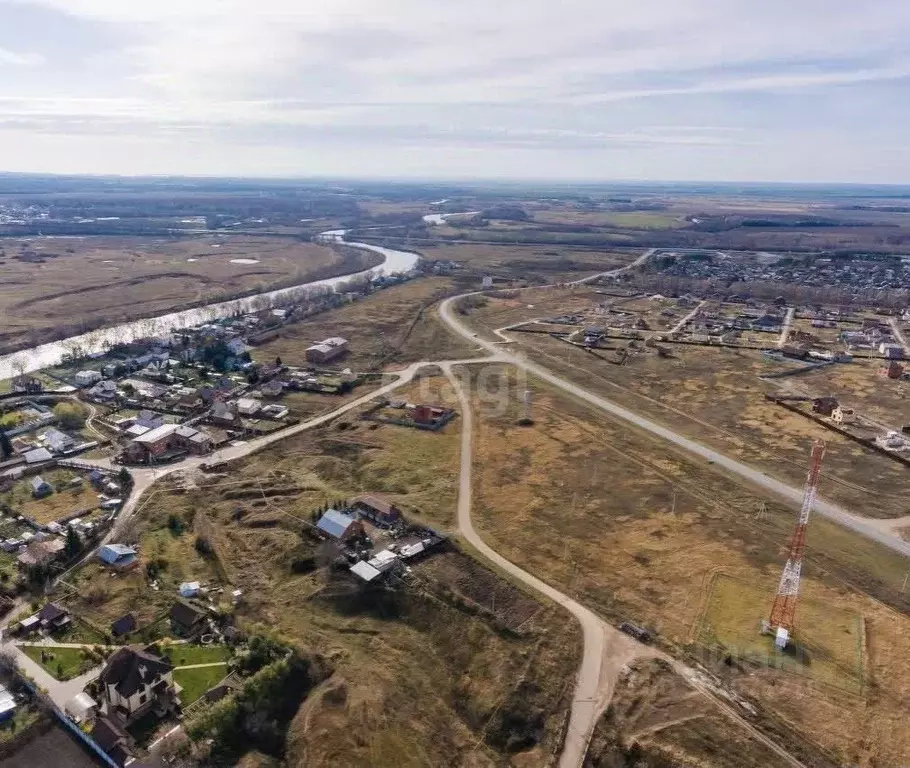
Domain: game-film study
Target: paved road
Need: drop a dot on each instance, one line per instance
(791, 493)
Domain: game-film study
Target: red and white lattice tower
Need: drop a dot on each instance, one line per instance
(784, 609)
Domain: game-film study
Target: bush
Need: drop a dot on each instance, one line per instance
(70, 415)
(204, 546)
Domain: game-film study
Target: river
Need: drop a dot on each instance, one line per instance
(47, 355)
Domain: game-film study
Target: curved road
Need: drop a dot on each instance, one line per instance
(791, 493)
(595, 683)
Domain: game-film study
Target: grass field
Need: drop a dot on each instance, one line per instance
(393, 326)
(714, 395)
(421, 678)
(61, 663)
(62, 285)
(65, 499)
(186, 655)
(637, 531)
(196, 682)
(829, 642)
(531, 263)
(609, 219)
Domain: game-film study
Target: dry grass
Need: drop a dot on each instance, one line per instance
(418, 678)
(638, 531)
(92, 281)
(714, 395)
(392, 326)
(534, 263)
(64, 501)
(657, 718)
(611, 219)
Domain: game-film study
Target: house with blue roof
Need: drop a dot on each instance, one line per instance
(339, 526)
(118, 556)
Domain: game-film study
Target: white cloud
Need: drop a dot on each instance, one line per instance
(15, 59)
(325, 82)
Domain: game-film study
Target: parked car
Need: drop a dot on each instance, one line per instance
(639, 633)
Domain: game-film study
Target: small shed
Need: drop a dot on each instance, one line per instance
(189, 589)
(125, 625)
(82, 708)
(118, 556)
(41, 488)
(7, 704)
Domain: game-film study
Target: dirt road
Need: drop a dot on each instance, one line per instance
(606, 649)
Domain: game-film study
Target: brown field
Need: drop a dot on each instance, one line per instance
(714, 395)
(657, 718)
(64, 501)
(423, 674)
(390, 327)
(56, 286)
(640, 532)
(532, 263)
(612, 219)
(860, 386)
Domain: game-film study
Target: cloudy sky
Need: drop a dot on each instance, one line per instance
(777, 90)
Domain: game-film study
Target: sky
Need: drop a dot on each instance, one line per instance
(593, 90)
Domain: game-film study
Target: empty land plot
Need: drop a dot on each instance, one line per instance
(828, 643)
(860, 386)
(65, 500)
(637, 531)
(534, 263)
(392, 326)
(715, 396)
(657, 718)
(52, 287)
(612, 219)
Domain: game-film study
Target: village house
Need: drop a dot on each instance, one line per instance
(104, 391)
(53, 618)
(273, 388)
(247, 406)
(328, 350)
(26, 384)
(225, 415)
(842, 415)
(376, 509)
(135, 681)
(37, 456)
(58, 442)
(186, 620)
(41, 553)
(824, 405)
(891, 351)
(168, 439)
(124, 626)
(274, 411)
(114, 740)
(87, 378)
(338, 526)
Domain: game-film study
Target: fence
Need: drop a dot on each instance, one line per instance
(864, 441)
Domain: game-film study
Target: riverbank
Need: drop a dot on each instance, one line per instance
(352, 261)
